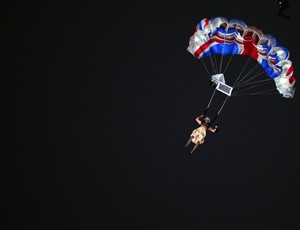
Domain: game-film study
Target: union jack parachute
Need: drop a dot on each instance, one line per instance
(217, 38)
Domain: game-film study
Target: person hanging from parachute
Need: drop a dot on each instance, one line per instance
(283, 5)
(198, 135)
(272, 72)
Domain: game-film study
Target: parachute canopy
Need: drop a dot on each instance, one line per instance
(219, 36)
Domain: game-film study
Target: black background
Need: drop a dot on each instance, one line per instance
(102, 97)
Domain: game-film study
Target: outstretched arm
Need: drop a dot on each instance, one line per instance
(198, 119)
(214, 129)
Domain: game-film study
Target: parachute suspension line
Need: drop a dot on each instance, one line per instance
(204, 64)
(248, 81)
(254, 82)
(211, 98)
(212, 64)
(245, 87)
(249, 58)
(249, 73)
(258, 93)
(228, 63)
(216, 63)
(215, 118)
(254, 76)
(222, 105)
(254, 85)
(221, 63)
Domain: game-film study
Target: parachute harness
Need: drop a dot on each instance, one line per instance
(218, 113)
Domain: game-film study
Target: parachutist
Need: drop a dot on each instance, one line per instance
(283, 5)
(198, 135)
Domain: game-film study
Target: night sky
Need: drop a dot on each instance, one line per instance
(101, 97)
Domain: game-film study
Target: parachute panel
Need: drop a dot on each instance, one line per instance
(233, 37)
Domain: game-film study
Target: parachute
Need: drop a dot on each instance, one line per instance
(218, 38)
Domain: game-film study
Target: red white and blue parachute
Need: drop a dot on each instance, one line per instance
(219, 36)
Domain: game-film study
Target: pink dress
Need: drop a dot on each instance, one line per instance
(199, 135)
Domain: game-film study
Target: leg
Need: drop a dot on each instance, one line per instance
(188, 142)
(195, 146)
